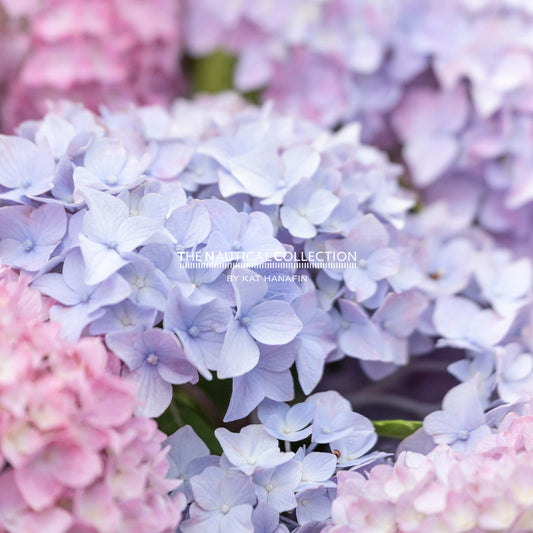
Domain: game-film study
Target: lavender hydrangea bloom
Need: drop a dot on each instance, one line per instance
(375, 259)
(306, 206)
(188, 457)
(200, 329)
(397, 318)
(149, 286)
(108, 166)
(142, 202)
(28, 235)
(122, 316)
(313, 504)
(251, 165)
(269, 322)
(155, 361)
(351, 449)
(317, 340)
(265, 519)
(27, 169)
(189, 225)
(277, 485)
(252, 448)
(245, 238)
(504, 283)
(359, 336)
(334, 418)
(317, 469)
(462, 422)
(82, 303)
(223, 501)
(431, 143)
(464, 325)
(270, 378)
(514, 376)
(287, 423)
(109, 232)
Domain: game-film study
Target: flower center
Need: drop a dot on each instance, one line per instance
(438, 274)
(28, 245)
(463, 435)
(194, 331)
(152, 359)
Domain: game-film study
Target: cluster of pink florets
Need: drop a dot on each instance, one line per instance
(99, 52)
(445, 491)
(72, 455)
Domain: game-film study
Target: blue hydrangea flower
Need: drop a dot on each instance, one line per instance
(188, 457)
(82, 303)
(270, 378)
(313, 505)
(461, 423)
(28, 235)
(251, 449)
(276, 485)
(108, 166)
(269, 322)
(266, 520)
(26, 169)
(155, 361)
(317, 469)
(149, 286)
(200, 329)
(109, 233)
(223, 501)
(287, 423)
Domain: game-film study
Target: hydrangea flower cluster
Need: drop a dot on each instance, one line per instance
(196, 240)
(115, 217)
(101, 53)
(217, 239)
(457, 104)
(98, 215)
(72, 455)
(253, 482)
(489, 489)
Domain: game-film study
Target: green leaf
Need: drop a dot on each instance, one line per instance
(183, 411)
(212, 73)
(396, 429)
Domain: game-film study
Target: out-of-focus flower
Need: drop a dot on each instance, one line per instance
(105, 53)
(456, 104)
(73, 456)
(488, 489)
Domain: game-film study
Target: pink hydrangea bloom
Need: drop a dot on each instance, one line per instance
(100, 52)
(490, 489)
(72, 455)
